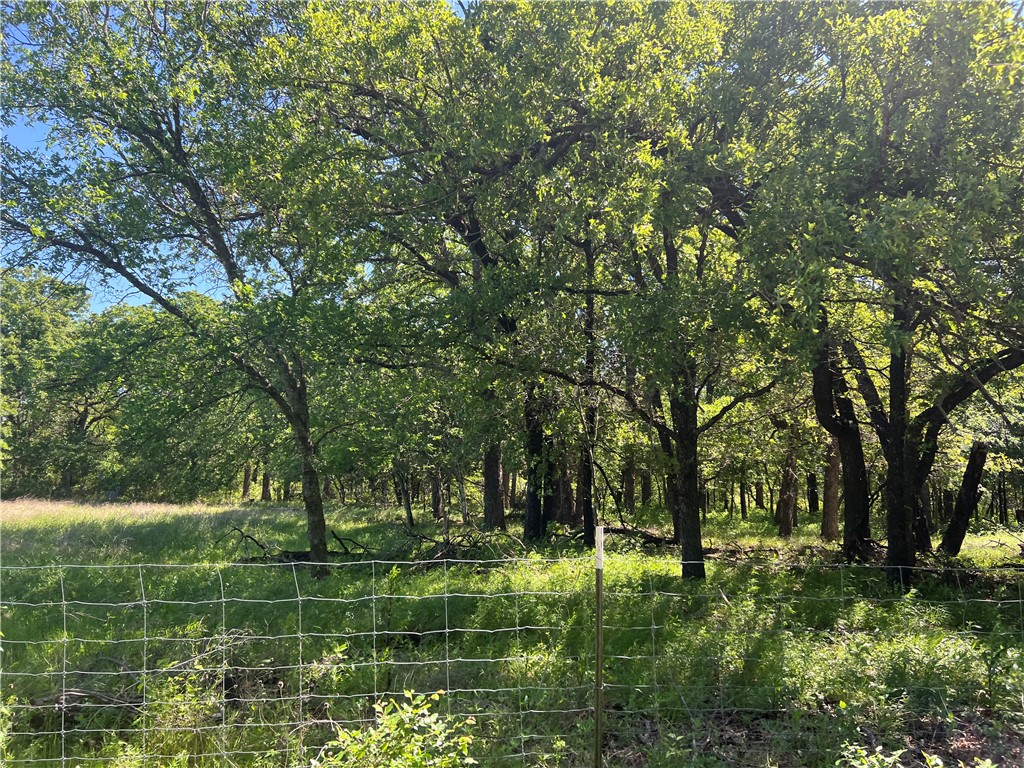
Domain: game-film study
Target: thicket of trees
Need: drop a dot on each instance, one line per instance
(628, 259)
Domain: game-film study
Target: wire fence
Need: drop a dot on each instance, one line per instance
(260, 664)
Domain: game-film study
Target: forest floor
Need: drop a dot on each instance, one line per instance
(192, 636)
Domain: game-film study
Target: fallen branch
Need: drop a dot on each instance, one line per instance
(77, 696)
(341, 540)
(243, 538)
(645, 536)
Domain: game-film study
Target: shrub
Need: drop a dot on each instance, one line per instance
(405, 734)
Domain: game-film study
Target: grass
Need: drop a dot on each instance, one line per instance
(779, 659)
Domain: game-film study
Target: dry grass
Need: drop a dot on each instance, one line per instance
(38, 531)
(29, 510)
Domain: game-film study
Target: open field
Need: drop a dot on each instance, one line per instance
(168, 649)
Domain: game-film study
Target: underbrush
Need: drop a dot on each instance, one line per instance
(170, 650)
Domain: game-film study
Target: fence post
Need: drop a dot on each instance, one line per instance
(598, 640)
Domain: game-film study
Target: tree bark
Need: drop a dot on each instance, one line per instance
(246, 482)
(812, 496)
(830, 501)
(836, 414)
(567, 513)
(901, 553)
(787, 495)
(759, 494)
(506, 489)
(316, 525)
(743, 495)
(672, 502)
(494, 504)
(1003, 499)
(585, 480)
(463, 506)
(646, 488)
(265, 489)
(436, 497)
(684, 421)
(405, 494)
(533, 524)
(629, 482)
(966, 500)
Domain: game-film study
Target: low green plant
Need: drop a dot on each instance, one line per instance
(405, 734)
(858, 756)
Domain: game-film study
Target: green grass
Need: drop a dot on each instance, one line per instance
(779, 659)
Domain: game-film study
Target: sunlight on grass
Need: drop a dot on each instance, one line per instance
(779, 658)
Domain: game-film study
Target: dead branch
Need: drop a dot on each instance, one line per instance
(645, 536)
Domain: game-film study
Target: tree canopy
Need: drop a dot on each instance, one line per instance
(680, 245)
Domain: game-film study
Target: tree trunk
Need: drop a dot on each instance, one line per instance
(672, 486)
(684, 420)
(922, 528)
(743, 496)
(246, 482)
(533, 523)
(549, 493)
(265, 490)
(899, 511)
(328, 489)
(405, 492)
(585, 480)
(463, 506)
(836, 414)
(856, 495)
(494, 503)
(759, 494)
(787, 495)
(566, 504)
(316, 525)
(1003, 498)
(966, 500)
(286, 492)
(812, 496)
(506, 489)
(830, 501)
(436, 498)
(925, 500)
(646, 488)
(629, 482)
(66, 482)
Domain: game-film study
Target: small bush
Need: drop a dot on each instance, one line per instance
(405, 734)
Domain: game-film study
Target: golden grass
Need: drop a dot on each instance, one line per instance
(30, 510)
(34, 531)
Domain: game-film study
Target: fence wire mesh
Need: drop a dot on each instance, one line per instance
(246, 664)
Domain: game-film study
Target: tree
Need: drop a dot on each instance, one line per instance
(41, 317)
(905, 171)
(164, 174)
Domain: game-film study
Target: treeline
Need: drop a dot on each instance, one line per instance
(637, 259)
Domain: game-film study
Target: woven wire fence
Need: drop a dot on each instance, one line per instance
(245, 664)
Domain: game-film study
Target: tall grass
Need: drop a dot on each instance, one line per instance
(780, 658)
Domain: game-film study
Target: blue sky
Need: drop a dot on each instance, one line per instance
(104, 294)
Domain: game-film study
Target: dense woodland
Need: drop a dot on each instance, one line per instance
(527, 265)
